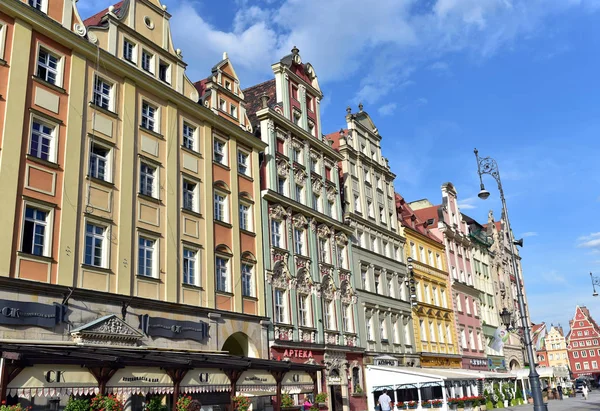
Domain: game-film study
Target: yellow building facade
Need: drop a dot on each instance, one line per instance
(433, 316)
(556, 348)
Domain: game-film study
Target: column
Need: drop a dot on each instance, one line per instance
(172, 182)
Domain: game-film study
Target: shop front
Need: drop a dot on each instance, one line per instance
(429, 360)
(475, 363)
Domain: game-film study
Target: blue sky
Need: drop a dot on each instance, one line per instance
(516, 79)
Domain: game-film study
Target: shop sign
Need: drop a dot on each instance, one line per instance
(257, 382)
(386, 360)
(298, 354)
(52, 380)
(26, 313)
(140, 380)
(478, 362)
(297, 382)
(162, 327)
(201, 380)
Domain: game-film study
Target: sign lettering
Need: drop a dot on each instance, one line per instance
(54, 376)
(298, 353)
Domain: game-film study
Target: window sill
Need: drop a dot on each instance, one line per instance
(103, 110)
(100, 181)
(245, 176)
(152, 132)
(49, 85)
(149, 198)
(223, 223)
(97, 269)
(224, 293)
(146, 277)
(249, 297)
(191, 212)
(43, 162)
(192, 287)
(224, 166)
(41, 258)
(250, 233)
(191, 151)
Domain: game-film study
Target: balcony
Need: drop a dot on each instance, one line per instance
(284, 332)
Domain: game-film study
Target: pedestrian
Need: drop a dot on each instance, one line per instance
(560, 392)
(384, 401)
(585, 391)
(307, 404)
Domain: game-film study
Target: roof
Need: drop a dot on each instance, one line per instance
(96, 18)
(201, 87)
(408, 218)
(429, 213)
(335, 137)
(253, 94)
(498, 225)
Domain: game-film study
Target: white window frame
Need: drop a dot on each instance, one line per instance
(222, 105)
(220, 149)
(194, 260)
(99, 94)
(105, 244)
(246, 220)
(578, 366)
(233, 111)
(189, 141)
(162, 63)
(369, 326)
(282, 185)
(96, 158)
(299, 194)
(48, 231)
(144, 176)
(467, 305)
(342, 257)
(324, 250)
(155, 255)
(280, 310)
(155, 118)
(43, 5)
(3, 29)
(247, 275)
(221, 206)
(133, 58)
(299, 242)
(304, 317)
(276, 234)
(222, 275)
(243, 160)
(52, 137)
(195, 195)
(151, 63)
(58, 71)
(330, 315)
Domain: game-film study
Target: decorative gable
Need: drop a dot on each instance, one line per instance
(107, 330)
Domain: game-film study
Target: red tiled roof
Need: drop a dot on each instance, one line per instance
(201, 86)
(498, 225)
(335, 137)
(408, 218)
(252, 96)
(95, 19)
(429, 213)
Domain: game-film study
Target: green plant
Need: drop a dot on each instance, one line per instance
(287, 400)
(314, 407)
(489, 405)
(155, 404)
(108, 402)
(17, 407)
(241, 403)
(183, 402)
(77, 405)
(321, 397)
(358, 389)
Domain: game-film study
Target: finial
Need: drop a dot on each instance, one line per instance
(342, 132)
(111, 9)
(264, 100)
(225, 55)
(295, 51)
(348, 110)
(164, 7)
(360, 107)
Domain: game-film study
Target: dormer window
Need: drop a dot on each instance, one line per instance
(222, 105)
(164, 72)
(228, 85)
(129, 51)
(233, 111)
(148, 61)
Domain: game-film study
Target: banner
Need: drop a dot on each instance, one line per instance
(500, 338)
(201, 380)
(53, 380)
(140, 380)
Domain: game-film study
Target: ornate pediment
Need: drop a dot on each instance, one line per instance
(341, 239)
(300, 176)
(299, 221)
(277, 212)
(323, 231)
(107, 330)
(317, 186)
(331, 193)
(280, 277)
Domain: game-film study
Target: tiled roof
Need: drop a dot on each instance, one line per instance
(498, 225)
(201, 87)
(335, 137)
(429, 213)
(408, 218)
(252, 96)
(96, 18)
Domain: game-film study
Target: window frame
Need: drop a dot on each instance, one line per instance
(195, 195)
(280, 308)
(243, 154)
(151, 62)
(155, 255)
(189, 141)
(248, 217)
(281, 242)
(299, 239)
(48, 231)
(155, 179)
(52, 137)
(43, 5)
(219, 277)
(59, 70)
(134, 56)
(347, 318)
(108, 166)
(248, 286)
(162, 63)
(223, 206)
(110, 106)
(146, 118)
(330, 322)
(195, 264)
(3, 30)
(304, 317)
(105, 250)
(222, 152)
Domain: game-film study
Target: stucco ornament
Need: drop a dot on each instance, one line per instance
(280, 278)
(79, 29)
(299, 221)
(297, 144)
(328, 289)
(323, 231)
(315, 156)
(304, 284)
(300, 176)
(283, 168)
(277, 212)
(331, 194)
(92, 38)
(341, 239)
(347, 293)
(317, 186)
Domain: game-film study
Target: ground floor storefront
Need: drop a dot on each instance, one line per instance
(496, 363)
(429, 360)
(474, 363)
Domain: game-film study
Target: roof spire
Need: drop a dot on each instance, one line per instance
(295, 51)
(360, 107)
(225, 57)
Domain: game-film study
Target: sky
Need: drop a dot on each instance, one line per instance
(518, 79)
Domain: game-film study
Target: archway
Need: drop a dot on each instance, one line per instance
(240, 344)
(514, 365)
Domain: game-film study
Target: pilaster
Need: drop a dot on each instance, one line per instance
(172, 182)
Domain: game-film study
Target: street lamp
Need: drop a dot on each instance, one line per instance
(506, 318)
(488, 165)
(595, 282)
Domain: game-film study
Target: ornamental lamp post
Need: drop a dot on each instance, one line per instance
(595, 282)
(488, 165)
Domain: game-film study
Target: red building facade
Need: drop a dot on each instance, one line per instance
(582, 344)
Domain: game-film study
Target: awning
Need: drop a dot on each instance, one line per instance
(544, 372)
(395, 377)
(205, 380)
(52, 380)
(257, 382)
(297, 382)
(140, 380)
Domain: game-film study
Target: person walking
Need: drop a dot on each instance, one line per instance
(585, 391)
(560, 392)
(384, 401)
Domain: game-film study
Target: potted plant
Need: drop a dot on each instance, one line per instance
(455, 403)
(412, 405)
(400, 405)
(74, 404)
(241, 403)
(287, 402)
(436, 403)
(321, 399)
(108, 402)
(155, 404)
(358, 391)
(16, 407)
(183, 402)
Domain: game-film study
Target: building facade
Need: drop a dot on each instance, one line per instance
(310, 287)
(555, 345)
(384, 312)
(582, 344)
(433, 316)
(122, 192)
(449, 225)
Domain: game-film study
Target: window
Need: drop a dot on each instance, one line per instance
(423, 330)
(148, 180)
(245, 217)
(346, 318)
(592, 352)
(383, 331)
(148, 61)
(299, 241)
(467, 305)
(190, 266)
(247, 288)
(316, 200)
(381, 214)
(594, 364)
(577, 366)
(363, 278)
(303, 312)
(297, 154)
(438, 261)
(330, 315)
(448, 334)
(99, 162)
(222, 105)
(367, 175)
(575, 354)
(35, 232)
(42, 143)
(189, 195)
(431, 332)
(459, 304)
(299, 193)
(164, 72)
(330, 208)
(370, 208)
(574, 343)
(276, 234)
(324, 250)
(38, 4)
(595, 342)
(129, 51)
(146, 248)
(586, 365)
(413, 251)
(280, 306)
(444, 303)
(586, 332)
(309, 103)
(377, 282)
(430, 255)
(149, 117)
(280, 146)
(189, 136)
(294, 92)
(581, 323)
(219, 152)
(588, 343)
(243, 164)
(584, 353)
(222, 273)
(94, 245)
(103, 93)
(2, 39)
(221, 208)
(281, 185)
(356, 202)
(48, 66)
(440, 332)
(341, 254)
(369, 328)
(407, 328)
(233, 111)
(471, 340)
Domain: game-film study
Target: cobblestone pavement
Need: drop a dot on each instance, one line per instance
(568, 404)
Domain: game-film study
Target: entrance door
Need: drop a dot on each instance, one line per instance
(336, 397)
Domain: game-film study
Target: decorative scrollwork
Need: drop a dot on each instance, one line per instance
(283, 168)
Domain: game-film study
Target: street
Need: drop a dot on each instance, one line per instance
(568, 404)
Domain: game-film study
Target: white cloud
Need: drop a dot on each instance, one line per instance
(387, 109)
(529, 234)
(468, 203)
(589, 241)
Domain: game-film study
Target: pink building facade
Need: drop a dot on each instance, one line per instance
(446, 221)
